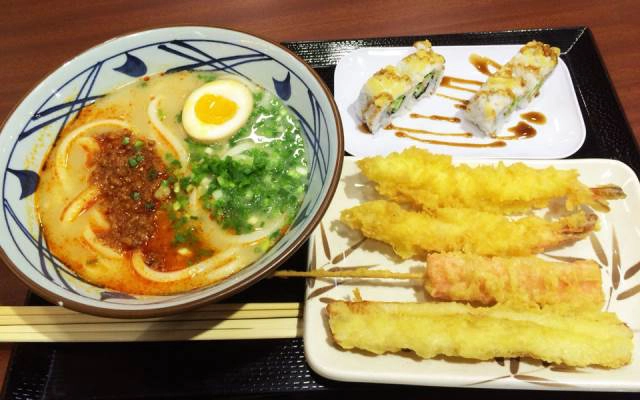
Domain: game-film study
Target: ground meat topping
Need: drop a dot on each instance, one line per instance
(128, 172)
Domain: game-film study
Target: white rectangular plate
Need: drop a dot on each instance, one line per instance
(562, 135)
(335, 245)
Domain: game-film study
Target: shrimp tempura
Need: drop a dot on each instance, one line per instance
(412, 233)
(430, 181)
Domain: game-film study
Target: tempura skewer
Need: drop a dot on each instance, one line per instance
(459, 330)
(431, 181)
(413, 233)
(516, 280)
(489, 280)
(351, 273)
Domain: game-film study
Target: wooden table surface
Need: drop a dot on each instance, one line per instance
(36, 37)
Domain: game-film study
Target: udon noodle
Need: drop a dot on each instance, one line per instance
(162, 186)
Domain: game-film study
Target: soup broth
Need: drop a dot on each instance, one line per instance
(130, 201)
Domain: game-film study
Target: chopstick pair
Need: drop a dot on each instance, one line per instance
(213, 322)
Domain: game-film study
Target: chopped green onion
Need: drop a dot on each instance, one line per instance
(135, 160)
(201, 253)
(175, 164)
(244, 191)
(206, 77)
(152, 174)
(135, 196)
(162, 192)
(126, 140)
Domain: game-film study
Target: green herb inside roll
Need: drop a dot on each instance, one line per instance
(393, 90)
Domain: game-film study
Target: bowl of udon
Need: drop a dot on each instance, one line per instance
(165, 169)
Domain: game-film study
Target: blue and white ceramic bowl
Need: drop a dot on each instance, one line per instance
(31, 130)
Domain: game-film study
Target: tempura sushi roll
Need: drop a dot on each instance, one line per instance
(393, 90)
(512, 86)
(425, 68)
(382, 97)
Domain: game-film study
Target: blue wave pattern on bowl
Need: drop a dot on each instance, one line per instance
(186, 54)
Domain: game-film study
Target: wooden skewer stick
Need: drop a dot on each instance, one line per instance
(484, 280)
(352, 273)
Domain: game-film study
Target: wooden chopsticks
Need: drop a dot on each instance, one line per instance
(212, 322)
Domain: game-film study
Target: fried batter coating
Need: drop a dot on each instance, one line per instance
(430, 181)
(459, 330)
(518, 281)
(412, 233)
(515, 280)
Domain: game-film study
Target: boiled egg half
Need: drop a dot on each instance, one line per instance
(217, 110)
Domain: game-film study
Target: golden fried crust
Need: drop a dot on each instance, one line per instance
(388, 81)
(412, 233)
(535, 47)
(430, 181)
(458, 330)
(516, 280)
(422, 44)
(421, 58)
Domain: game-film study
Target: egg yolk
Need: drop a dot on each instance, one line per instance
(214, 109)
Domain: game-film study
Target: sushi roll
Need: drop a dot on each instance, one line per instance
(512, 87)
(425, 68)
(393, 90)
(382, 97)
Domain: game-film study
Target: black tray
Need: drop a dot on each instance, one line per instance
(277, 368)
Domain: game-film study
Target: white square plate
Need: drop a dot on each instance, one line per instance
(561, 136)
(335, 245)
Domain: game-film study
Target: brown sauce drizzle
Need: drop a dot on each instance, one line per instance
(364, 128)
(435, 117)
(534, 117)
(462, 80)
(482, 64)
(439, 142)
(449, 82)
(461, 103)
(426, 132)
(521, 131)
